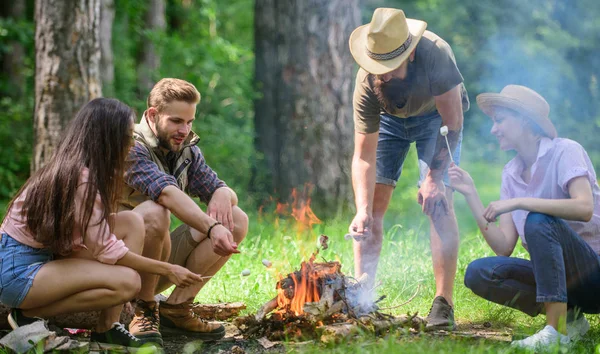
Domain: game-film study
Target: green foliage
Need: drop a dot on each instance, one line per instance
(16, 107)
(208, 43)
(548, 45)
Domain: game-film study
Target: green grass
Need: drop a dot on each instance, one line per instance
(405, 263)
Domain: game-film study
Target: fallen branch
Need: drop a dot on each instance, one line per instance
(404, 303)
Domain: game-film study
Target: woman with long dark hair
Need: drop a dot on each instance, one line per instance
(63, 247)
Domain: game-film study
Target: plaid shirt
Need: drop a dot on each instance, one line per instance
(146, 177)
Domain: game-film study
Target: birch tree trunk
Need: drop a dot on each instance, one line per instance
(303, 118)
(67, 71)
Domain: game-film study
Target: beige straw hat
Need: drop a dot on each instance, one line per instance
(523, 100)
(384, 44)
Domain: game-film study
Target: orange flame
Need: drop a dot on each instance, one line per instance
(305, 289)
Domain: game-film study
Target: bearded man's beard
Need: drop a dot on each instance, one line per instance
(394, 94)
(164, 140)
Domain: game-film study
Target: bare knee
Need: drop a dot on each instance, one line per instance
(128, 284)
(157, 219)
(240, 220)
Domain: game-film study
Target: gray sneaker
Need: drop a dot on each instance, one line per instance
(441, 315)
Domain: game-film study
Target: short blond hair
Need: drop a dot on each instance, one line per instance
(168, 90)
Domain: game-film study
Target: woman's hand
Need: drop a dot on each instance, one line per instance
(499, 207)
(181, 276)
(461, 180)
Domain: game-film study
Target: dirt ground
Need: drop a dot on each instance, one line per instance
(234, 343)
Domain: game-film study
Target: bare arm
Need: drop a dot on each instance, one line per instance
(363, 180)
(579, 207)
(501, 239)
(178, 275)
(186, 210)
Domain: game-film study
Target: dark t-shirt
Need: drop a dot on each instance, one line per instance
(433, 72)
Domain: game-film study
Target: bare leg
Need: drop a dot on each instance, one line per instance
(204, 261)
(366, 253)
(444, 250)
(556, 315)
(157, 242)
(111, 284)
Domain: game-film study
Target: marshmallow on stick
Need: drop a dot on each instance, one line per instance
(444, 132)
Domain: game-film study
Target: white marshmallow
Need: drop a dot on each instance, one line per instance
(267, 263)
(444, 130)
(246, 272)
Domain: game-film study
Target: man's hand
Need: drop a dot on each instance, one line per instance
(499, 207)
(361, 225)
(220, 207)
(222, 241)
(181, 276)
(461, 180)
(432, 197)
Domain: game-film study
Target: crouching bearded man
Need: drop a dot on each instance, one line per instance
(166, 169)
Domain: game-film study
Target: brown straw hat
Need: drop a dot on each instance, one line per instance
(523, 100)
(384, 44)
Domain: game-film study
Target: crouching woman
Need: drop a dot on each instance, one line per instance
(62, 249)
(550, 199)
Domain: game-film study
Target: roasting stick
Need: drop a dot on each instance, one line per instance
(245, 273)
(444, 132)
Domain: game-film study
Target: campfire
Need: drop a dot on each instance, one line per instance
(319, 301)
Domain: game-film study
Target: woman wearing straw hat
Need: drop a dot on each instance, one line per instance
(408, 86)
(550, 199)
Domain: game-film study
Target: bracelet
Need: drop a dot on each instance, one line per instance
(211, 227)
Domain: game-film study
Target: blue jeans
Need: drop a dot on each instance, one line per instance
(563, 268)
(19, 264)
(395, 137)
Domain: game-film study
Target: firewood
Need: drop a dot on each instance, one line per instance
(266, 308)
(84, 320)
(218, 312)
(336, 332)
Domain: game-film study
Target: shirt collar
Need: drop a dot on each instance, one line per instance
(516, 165)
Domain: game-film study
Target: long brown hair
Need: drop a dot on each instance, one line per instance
(98, 138)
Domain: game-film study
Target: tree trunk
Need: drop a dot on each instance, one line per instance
(150, 58)
(67, 68)
(303, 119)
(107, 67)
(12, 61)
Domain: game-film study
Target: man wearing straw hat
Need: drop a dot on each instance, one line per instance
(408, 87)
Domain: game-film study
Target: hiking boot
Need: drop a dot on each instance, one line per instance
(181, 319)
(16, 319)
(145, 322)
(114, 338)
(544, 339)
(441, 315)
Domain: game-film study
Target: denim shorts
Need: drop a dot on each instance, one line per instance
(19, 264)
(395, 137)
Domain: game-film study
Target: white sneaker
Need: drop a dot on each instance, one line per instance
(545, 338)
(578, 328)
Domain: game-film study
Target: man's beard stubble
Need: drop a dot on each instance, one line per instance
(394, 94)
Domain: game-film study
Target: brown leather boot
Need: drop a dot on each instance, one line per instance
(181, 319)
(145, 322)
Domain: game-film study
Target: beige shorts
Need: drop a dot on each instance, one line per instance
(182, 245)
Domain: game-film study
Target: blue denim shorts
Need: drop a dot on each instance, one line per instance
(19, 264)
(395, 137)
